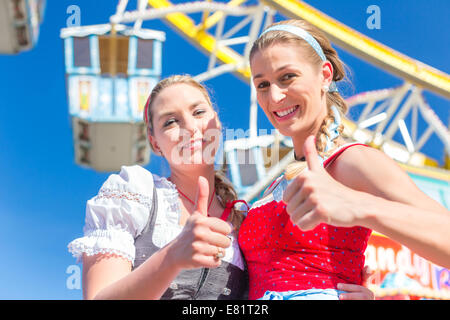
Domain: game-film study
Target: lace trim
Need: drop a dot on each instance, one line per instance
(76, 248)
(263, 201)
(117, 242)
(107, 193)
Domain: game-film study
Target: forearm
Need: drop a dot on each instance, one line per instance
(149, 281)
(424, 231)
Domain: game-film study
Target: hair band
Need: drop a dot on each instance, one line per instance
(305, 35)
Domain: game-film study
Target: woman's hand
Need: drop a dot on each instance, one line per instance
(314, 197)
(203, 237)
(366, 274)
(354, 292)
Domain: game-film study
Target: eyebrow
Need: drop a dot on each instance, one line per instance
(170, 113)
(260, 75)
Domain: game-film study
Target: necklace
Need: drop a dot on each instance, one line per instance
(210, 201)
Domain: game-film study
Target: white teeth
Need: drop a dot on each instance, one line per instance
(286, 112)
(194, 144)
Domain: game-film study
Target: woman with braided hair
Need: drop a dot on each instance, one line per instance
(305, 239)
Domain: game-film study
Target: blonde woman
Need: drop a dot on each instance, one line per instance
(150, 237)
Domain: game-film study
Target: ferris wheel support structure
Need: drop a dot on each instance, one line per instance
(386, 113)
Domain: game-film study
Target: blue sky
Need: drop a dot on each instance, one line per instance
(43, 192)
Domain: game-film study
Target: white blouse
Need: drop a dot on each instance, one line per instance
(120, 211)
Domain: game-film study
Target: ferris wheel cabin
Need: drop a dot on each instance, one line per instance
(110, 73)
(19, 24)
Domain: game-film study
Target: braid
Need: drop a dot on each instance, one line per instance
(321, 137)
(226, 193)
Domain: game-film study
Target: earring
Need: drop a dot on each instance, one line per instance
(157, 152)
(325, 88)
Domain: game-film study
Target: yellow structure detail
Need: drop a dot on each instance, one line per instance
(372, 51)
(215, 18)
(201, 38)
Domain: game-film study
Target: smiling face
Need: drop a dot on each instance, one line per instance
(185, 127)
(289, 88)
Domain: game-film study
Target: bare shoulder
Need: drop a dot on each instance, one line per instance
(363, 158)
(370, 170)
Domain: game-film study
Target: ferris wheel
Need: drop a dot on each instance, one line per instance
(224, 31)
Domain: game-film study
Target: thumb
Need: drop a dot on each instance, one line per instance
(311, 155)
(201, 200)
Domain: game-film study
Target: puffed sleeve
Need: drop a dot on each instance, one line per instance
(116, 215)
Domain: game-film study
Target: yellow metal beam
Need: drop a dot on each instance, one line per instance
(370, 50)
(215, 17)
(440, 174)
(201, 39)
(204, 17)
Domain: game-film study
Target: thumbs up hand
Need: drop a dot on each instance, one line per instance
(315, 197)
(203, 238)
(201, 200)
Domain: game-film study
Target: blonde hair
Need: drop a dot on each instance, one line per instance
(224, 188)
(333, 98)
